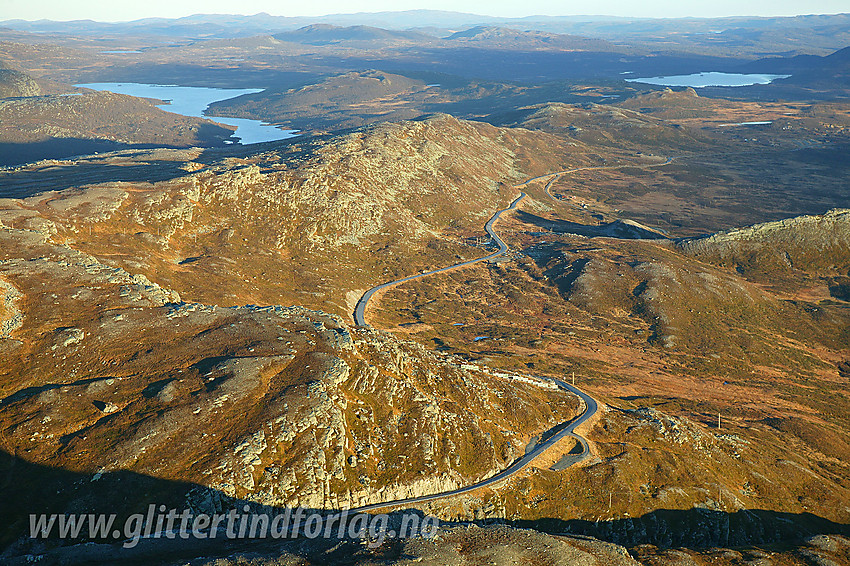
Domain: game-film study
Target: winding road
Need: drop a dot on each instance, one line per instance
(360, 309)
(556, 434)
(561, 431)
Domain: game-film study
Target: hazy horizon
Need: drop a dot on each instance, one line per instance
(113, 13)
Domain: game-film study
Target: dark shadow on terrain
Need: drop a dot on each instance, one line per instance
(616, 229)
(57, 148)
(12, 154)
(305, 143)
(27, 488)
(154, 388)
(840, 291)
(122, 166)
(564, 280)
(554, 430)
(25, 183)
(32, 391)
(695, 528)
(207, 364)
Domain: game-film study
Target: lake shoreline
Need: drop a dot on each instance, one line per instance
(194, 101)
(710, 79)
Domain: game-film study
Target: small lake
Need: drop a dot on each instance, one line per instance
(193, 101)
(759, 123)
(699, 80)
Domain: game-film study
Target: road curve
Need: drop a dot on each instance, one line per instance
(591, 407)
(360, 309)
(561, 431)
(554, 176)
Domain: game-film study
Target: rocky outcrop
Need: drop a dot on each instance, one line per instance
(15, 83)
(390, 197)
(804, 243)
(280, 406)
(11, 318)
(507, 545)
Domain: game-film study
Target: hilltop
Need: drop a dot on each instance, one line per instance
(343, 101)
(310, 222)
(14, 83)
(509, 38)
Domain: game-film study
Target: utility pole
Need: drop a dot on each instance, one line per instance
(718, 421)
(574, 379)
(611, 493)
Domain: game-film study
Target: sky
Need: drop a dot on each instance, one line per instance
(112, 10)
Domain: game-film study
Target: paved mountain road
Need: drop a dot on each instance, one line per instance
(561, 431)
(360, 309)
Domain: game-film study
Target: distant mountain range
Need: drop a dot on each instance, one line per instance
(285, 52)
(231, 25)
(440, 22)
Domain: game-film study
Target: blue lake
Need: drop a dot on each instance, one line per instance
(193, 101)
(699, 80)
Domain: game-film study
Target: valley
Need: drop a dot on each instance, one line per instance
(479, 275)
